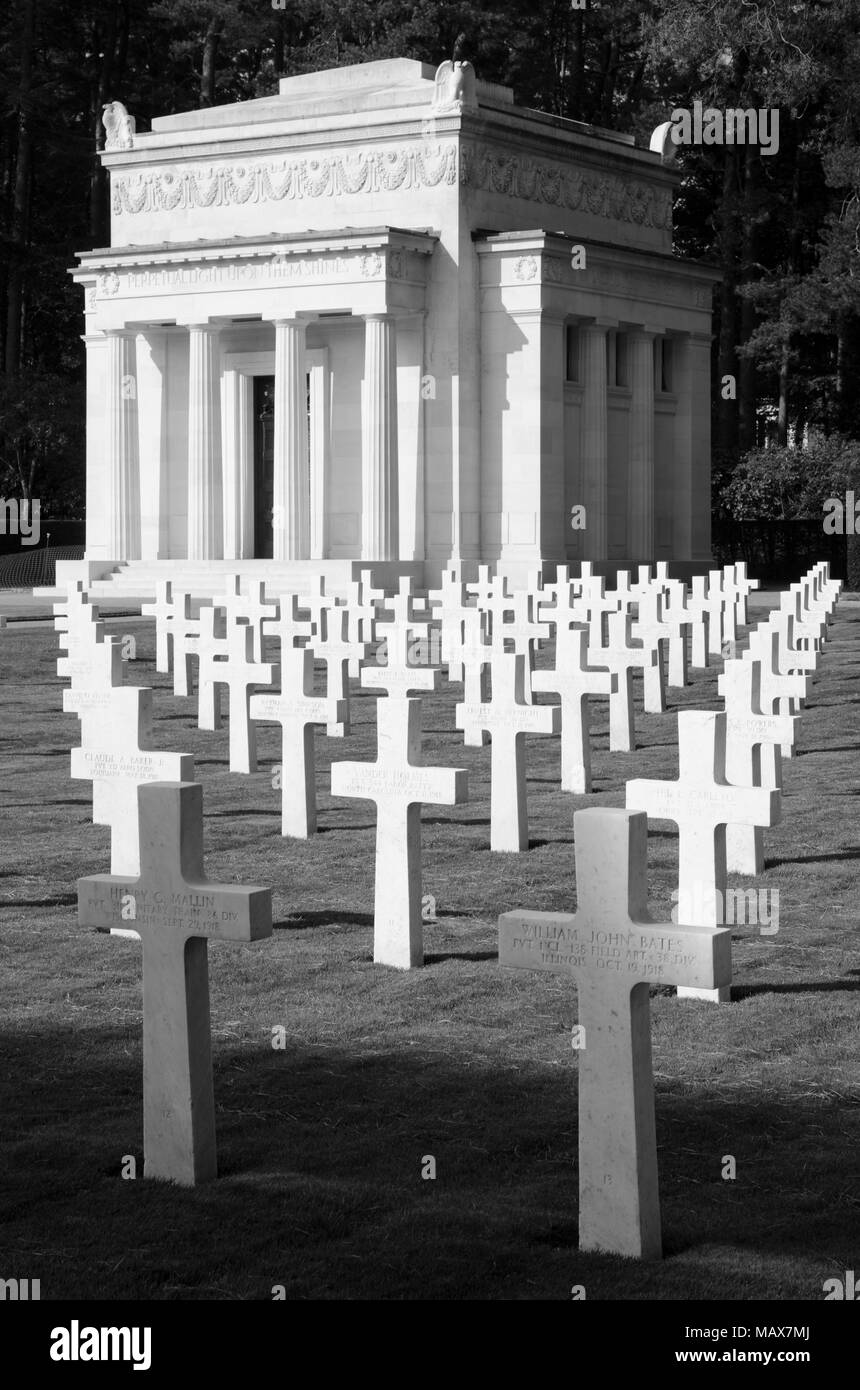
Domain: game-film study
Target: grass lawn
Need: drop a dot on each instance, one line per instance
(321, 1144)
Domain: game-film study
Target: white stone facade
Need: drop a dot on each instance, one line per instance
(447, 386)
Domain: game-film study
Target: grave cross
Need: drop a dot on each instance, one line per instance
(116, 726)
(620, 656)
(76, 619)
(706, 609)
(176, 910)
(806, 625)
(752, 755)
(660, 623)
(251, 608)
(185, 631)
(290, 628)
(574, 681)
(653, 633)
(449, 604)
(211, 650)
(399, 784)
(793, 659)
(397, 677)
(163, 611)
(702, 804)
(297, 709)
(614, 952)
(95, 667)
(362, 603)
(779, 694)
(239, 672)
(483, 589)
(506, 719)
(336, 650)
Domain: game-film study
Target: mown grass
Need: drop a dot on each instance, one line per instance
(321, 1144)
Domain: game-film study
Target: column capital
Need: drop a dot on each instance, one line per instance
(644, 330)
(598, 325)
(204, 326)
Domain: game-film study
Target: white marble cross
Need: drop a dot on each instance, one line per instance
(399, 783)
(211, 650)
(779, 694)
(753, 758)
(598, 606)
(94, 666)
(297, 709)
(483, 589)
(672, 624)
(115, 755)
(574, 681)
(793, 658)
(615, 952)
(808, 627)
(336, 650)
(185, 631)
(397, 677)
(702, 804)
(506, 719)
(239, 673)
(251, 608)
(176, 911)
(728, 616)
(76, 619)
(449, 604)
(653, 632)
(292, 627)
(163, 611)
(706, 609)
(620, 656)
(363, 602)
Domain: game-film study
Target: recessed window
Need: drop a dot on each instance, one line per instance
(571, 352)
(620, 376)
(664, 364)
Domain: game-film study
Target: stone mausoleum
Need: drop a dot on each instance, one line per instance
(388, 316)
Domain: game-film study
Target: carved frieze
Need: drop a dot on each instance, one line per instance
(231, 185)
(601, 195)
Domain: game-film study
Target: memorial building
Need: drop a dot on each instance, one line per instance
(388, 317)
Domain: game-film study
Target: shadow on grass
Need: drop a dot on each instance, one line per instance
(304, 921)
(438, 958)
(64, 900)
(320, 1154)
(819, 987)
(842, 856)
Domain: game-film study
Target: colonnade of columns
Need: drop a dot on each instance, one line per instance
(291, 519)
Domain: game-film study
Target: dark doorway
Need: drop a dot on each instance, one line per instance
(264, 464)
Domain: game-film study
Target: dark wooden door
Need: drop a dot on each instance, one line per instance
(264, 464)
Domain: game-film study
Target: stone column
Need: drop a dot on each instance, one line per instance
(691, 385)
(122, 476)
(594, 472)
(380, 529)
(151, 349)
(205, 524)
(640, 515)
(238, 466)
(291, 507)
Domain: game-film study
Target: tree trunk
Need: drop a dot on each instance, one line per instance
(782, 409)
(747, 394)
(210, 61)
(726, 432)
(19, 222)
